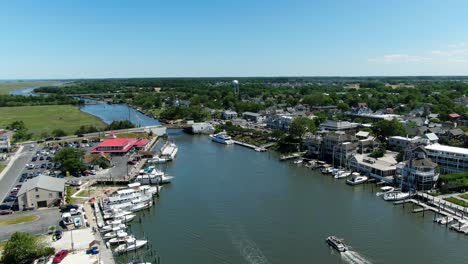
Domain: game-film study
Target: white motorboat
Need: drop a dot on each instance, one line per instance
(127, 239)
(119, 233)
(126, 198)
(298, 161)
(222, 137)
(326, 170)
(343, 175)
(384, 190)
(123, 219)
(157, 160)
(154, 178)
(130, 247)
(357, 180)
(396, 196)
(444, 220)
(141, 206)
(336, 243)
(169, 151)
(110, 228)
(337, 171)
(115, 213)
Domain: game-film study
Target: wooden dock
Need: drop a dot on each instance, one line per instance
(247, 145)
(292, 156)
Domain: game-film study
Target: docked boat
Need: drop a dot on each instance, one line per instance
(168, 151)
(336, 171)
(127, 239)
(157, 160)
(343, 175)
(115, 213)
(130, 247)
(444, 220)
(123, 219)
(222, 137)
(113, 228)
(384, 190)
(326, 170)
(396, 196)
(357, 180)
(119, 233)
(298, 161)
(141, 206)
(336, 243)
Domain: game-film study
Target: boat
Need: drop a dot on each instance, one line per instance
(168, 151)
(110, 228)
(396, 196)
(130, 247)
(336, 171)
(444, 220)
(77, 222)
(298, 161)
(384, 190)
(113, 234)
(357, 180)
(343, 175)
(126, 218)
(141, 206)
(157, 160)
(128, 239)
(260, 149)
(222, 137)
(336, 243)
(326, 170)
(115, 213)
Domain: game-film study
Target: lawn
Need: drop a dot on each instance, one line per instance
(7, 87)
(46, 118)
(456, 201)
(464, 196)
(2, 167)
(18, 220)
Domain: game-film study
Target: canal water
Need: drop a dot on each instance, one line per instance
(229, 204)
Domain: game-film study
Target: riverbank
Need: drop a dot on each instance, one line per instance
(8, 87)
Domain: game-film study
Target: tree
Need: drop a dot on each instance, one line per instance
(58, 132)
(22, 247)
(300, 125)
(70, 159)
(387, 128)
(17, 125)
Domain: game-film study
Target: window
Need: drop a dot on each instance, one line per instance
(37, 189)
(50, 195)
(37, 196)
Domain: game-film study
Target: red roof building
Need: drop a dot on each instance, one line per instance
(454, 115)
(119, 145)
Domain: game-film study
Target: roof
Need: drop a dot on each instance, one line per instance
(387, 162)
(431, 136)
(43, 182)
(428, 163)
(454, 115)
(362, 134)
(114, 142)
(141, 142)
(229, 112)
(456, 132)
(252, 114)
(445, 148)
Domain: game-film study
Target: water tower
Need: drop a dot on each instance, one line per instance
(235, 86)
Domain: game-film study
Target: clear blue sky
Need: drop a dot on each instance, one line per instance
(176, 38)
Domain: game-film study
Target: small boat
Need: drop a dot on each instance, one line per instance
(444, 220)
(299, 161)
(123, 219)
(396, 196)
(336, 243)
(384, 190)
(222, 137)
(157, 160)
(141, 206)
(115, 213)
(122, 239)
(109, 228)
(260, 149)
(326, 170)
(130, 247)
(113, 234)
(356, 180)
(343, 175)
(337, 172)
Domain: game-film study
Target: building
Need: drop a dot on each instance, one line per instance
(419, 172)
(5, 144)
(336, 147)
(120, 145)
(383, 168)
(332, 125)
(201, 128)
(228, 114)
(398, 143)
(41, 191)
(450, 159)
(235, 86)
(280, 122)
(253, 117)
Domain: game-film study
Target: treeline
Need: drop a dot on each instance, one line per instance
(115, 125)
(20, 100)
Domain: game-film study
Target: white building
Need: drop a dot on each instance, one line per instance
(41, 191)
(202, 128)
(228, 114)
(383, 168)
(332, 125)
(450, 159)
(253, 117)
(280, 122)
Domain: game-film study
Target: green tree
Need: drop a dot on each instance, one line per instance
(300, 125)
(17, 125)
(70, 159)
(23, 247)
(386, 128)
(58, 132)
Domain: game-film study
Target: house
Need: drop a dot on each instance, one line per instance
(362, 134)
(229, 115)
(431, 137)
(201, 128)
(450, 159)
(456, 133)
(383, 168)
(331, 146)
(41, 191)
(280, 122)
(5, 144)
(253, 117)
(398, 143)
(178, 102)
(120, 145)
(331, 125)
(419, 172)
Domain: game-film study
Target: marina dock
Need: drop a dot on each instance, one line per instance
(292, 156)
(247, 145)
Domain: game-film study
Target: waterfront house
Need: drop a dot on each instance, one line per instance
(229, 115)
(450, 159)
(253, 117)
(280, 122)
(383, 168)
(5, 144)
(41, 191)
(419, 172)
(332, 125)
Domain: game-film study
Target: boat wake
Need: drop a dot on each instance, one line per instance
(247, 247)
(353, 257)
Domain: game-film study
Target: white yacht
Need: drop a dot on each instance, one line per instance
(124, 219)
(115, 213)
(222, 137)
(130, 247)
(357, 180)
(141, 206)
(343, 174)
(168, 151)
(114, 201)
(128, 239)
(396, 196)
(157, 160)
(151, 175)
(384, 190)
(326, 170)
(119, 233)
(113, 228)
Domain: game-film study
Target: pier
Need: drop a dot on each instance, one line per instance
(292, 156)
(256, 148)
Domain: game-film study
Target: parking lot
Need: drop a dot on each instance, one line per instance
(47, 217)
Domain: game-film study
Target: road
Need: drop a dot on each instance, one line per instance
(47, 217)
(11, 177)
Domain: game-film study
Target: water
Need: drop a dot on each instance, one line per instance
(26, 91)
(230, 204)
(118, 112)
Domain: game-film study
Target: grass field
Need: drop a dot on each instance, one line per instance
(2, 167)
(464, 196)
(18, 220)
(7, 87)
(456, 201)
(46, 118)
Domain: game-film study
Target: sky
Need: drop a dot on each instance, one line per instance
(216, 38)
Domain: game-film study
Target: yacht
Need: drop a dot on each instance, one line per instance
(123, 219)
(119, 233)
(444, 220)
(222, 137)
(298, 161)
(130, 247)
(343, 175)
(357, 180)
(115, 214)
(336, 243)
(169, 151)
(122, 239)
(141, 206)
(152, 176)
(326, 170)
(396, 196)
(134, 198)
(113, 228)
(384, 190)
(157, 160)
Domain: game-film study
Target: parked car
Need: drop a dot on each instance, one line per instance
(42, 260)
(68, 207)
(6, 206)
(59, 256)
(41, 158)
(58, 234)
(6, 212)
(13, 193)
(34, 158)
(18, 186)
(132, 162)
(9, 199)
